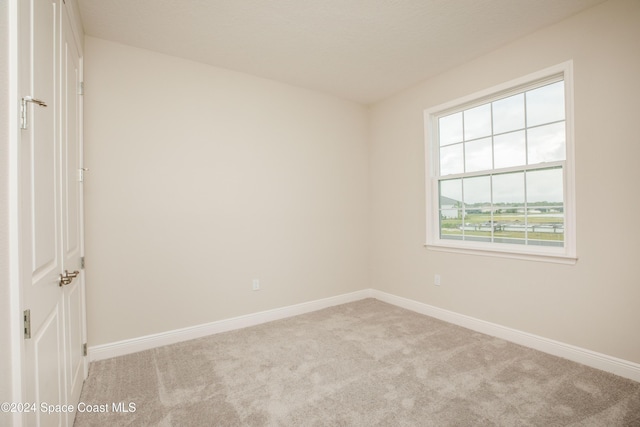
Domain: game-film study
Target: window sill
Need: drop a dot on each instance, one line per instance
(527, 256)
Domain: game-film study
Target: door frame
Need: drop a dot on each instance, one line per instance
(15, 297)
(15, 324)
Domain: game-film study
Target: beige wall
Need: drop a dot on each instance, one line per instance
(203, 179)
(593, 304)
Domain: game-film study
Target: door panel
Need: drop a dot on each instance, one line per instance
(70, 142)
(48, 359)
(40, 228)
(72, 211)
(74, 308)
(50, 210)
(42, 129)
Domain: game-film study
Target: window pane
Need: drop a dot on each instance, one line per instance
(508, 208)
(510, 228)
(477, 191)
(451, 194)
(450, 212)
(545, 226)
(508, 192)
(546, 143)
(478, 236)
(451, 159)
(450, 128)
(451, 228)
(545, 104)
(477, 122)
(545, 213)
(477, 208)
(478, 155)
(508, 114)
(507, 236)
(509, 150)
(544, 187)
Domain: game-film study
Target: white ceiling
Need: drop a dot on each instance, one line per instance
(362, 50)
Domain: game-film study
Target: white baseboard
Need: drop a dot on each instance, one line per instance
(623, 368)
(134, 345)
(596, 360)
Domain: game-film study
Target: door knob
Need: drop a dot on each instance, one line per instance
(71, 275)
(64, 280)
(67, 277)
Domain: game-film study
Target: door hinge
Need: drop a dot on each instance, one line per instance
(84, 349)
(82, 263)
(81, 88)
(81, 172)
(27, 324)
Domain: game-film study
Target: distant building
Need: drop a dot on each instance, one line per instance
(450, 208)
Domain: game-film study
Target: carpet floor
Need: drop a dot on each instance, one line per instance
(365, 363)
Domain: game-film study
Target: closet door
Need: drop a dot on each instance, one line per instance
(72, 212)
(50, 213)
(41, 260)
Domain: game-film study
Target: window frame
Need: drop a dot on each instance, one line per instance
(565, 254)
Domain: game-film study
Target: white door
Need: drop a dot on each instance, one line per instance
(72, 212)
(49, 214)
(40, 227)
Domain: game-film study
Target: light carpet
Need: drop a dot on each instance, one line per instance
(365, 363)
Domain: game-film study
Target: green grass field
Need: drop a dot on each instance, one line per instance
(451, 226)
(483, 218)
(506, 234)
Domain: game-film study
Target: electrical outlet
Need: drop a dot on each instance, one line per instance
(256, 284)
(436, 280)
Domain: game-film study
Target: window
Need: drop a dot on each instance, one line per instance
(500, 170)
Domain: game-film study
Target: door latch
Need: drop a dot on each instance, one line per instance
(67, 277)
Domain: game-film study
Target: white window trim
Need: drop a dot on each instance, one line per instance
(564, 255)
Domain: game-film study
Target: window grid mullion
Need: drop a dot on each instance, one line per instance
(493, 165)
(526, 211)
(526, 161)
(464, 146)
(526, 131)
(493, 227)
(462, 181)
(463, 208)
(493, 154)
(537, 166)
